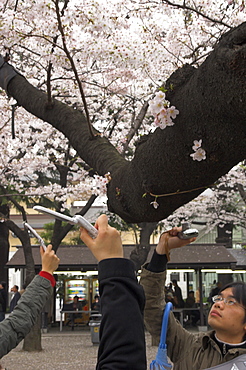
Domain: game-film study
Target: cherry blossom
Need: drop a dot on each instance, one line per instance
(199, 155)
(159, 107)
(155, 204)
(197, 144)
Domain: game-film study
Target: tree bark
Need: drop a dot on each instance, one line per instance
(212, 104)
(4, 244)
(27, 249)
(32, 341)
(140, 253)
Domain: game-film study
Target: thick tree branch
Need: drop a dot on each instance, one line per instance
(212, 104)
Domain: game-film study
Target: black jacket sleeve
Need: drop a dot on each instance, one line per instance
(122, 337)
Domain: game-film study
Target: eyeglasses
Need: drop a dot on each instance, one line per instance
(229, 301)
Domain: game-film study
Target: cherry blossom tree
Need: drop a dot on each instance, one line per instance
(56, 174)
(116, 56)
(89, 70)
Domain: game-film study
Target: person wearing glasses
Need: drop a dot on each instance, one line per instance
(227, 317)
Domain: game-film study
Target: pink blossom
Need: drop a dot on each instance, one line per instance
(199, 155)
(197, 144)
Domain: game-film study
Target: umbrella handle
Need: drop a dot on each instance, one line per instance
(168, 308)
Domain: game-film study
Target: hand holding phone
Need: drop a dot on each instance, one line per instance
(35, 234)
(75, 220)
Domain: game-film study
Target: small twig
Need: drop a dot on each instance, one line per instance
(16, 4)
(13, 107)
(49, 85)
(180, 192)
(184, 6)
(60, 27)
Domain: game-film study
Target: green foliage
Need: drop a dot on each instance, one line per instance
(48, 232)
(163, 89)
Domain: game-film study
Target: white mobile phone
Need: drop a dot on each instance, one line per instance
(37, 236)
(75, 220)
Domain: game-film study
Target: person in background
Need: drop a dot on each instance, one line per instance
(23, 289)
(76, 305)
(197, 296)
(19, 323)
(3, 300)
(190, 302)
(96, 304)
(227, 317)
(16, 296)
(178, 294)
(169, 297)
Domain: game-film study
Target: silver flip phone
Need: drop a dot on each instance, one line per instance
(75, 220)
(187, 232)
(37, 236)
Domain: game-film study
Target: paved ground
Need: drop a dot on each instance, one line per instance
(62, 350)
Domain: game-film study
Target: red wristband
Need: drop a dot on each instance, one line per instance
(48, 276)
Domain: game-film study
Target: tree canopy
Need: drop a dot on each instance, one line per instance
(115, 56)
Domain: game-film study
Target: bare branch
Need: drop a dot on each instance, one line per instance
(60, 27)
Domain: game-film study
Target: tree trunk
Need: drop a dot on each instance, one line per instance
(212, 104)
(140, 253)
(4, 244)
(32, 341)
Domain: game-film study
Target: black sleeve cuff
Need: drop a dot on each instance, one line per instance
(158, 262)
(116, 267)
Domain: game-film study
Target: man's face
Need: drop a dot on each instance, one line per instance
(228, 320)
(13, 289)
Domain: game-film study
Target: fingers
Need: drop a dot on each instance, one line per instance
(85, 237)
(49, 251)
(174, 231)
(50, 261)
(101, 224)
(41, 251)
(170, 240)
(49, 248)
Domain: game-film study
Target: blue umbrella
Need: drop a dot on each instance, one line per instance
(161, 361)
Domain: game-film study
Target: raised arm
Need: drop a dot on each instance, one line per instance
(14, 328)
(122, 337)
(153, 278)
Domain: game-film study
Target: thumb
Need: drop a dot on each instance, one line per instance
(85, 237)
(41, 250)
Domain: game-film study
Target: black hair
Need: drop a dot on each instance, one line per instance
(4, 284)
(239, 292)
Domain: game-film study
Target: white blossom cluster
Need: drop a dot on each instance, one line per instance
(160, 108)
(199, 153)
(122, 50)
(219, 205)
